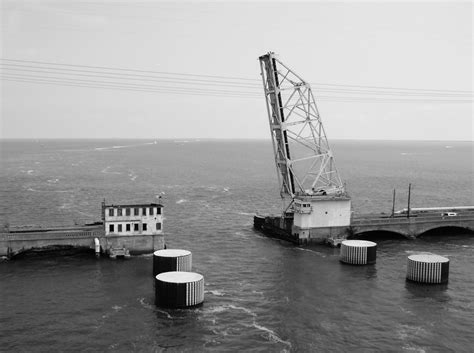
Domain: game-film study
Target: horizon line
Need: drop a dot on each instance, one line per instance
(217, 138)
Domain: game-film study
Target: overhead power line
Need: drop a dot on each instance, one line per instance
(197, 82)
(234, 79)
(132, 70)
(86, 76)
(214, 94)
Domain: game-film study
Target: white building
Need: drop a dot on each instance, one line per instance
(319, 217)
(322, 211)
(138, 219)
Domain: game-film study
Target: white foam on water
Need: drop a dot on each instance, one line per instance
(216, 292)
(223, 308)
(53, 181)
(31, 171)
(164, 312)
(152, 307)
(246, 213)
(85, 213)
(312, 251)
(132, 175)
(123, 146)
(272, 336)
(404, 332)
(410, 348)
(257, 292)
(248, 311)
(106, 170)
(242, 235)
(36, 190)
(181, 201)
(406, 311)
(418, 252)
(216, 309)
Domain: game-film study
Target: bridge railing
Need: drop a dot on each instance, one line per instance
(52, 235)
(416, 219)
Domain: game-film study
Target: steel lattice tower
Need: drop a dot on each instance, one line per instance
(305, 164)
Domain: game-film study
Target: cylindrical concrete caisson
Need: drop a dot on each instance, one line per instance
(179, 289)
(171, 260)
(428, 268)
(358, 252)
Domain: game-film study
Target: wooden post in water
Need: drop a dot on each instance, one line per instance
(409, 194)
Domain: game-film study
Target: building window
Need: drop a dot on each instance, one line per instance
(158, 210)
(127, 227)
(144, 211)
(119, 228)
(119, 212)
(158, 226)
(135, 227)
(136, 211)
(111, 228)
(144, 227)
(151, 211)
(111, 212)
(127, 211)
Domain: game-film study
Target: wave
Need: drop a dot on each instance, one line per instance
(152, 307)
(106, 170)
(246, 213)
(36, 190)
(216, 292)
(413, 252)
(186, 141)
(181, 201)
(108, 148)
(315, 252)
(271, 334)
(222, 308)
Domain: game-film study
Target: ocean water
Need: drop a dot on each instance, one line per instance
(260, 294)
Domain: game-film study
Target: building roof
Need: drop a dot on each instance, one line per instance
(137, 205)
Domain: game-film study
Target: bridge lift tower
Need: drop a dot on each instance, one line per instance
(311, 189)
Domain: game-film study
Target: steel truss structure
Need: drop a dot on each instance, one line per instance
(305, 164)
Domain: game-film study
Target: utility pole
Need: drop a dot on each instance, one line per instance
(409, 194)
(393, 204)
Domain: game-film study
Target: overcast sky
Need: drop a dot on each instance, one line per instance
(424, 45)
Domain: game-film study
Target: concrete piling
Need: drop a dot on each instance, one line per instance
(179, 289)
(171, 260)
(428, 268)
(358, 252)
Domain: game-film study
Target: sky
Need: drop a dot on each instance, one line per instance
(202, 48)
